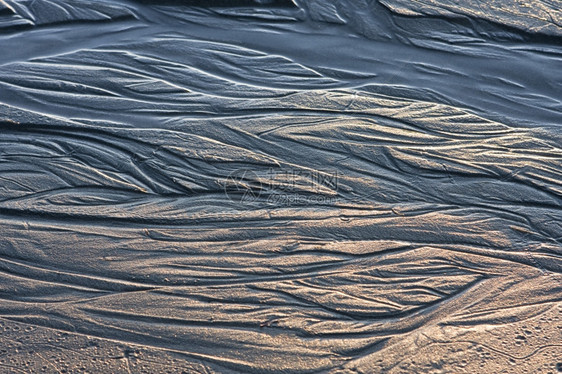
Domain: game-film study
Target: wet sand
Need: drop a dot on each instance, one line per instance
(280, 187)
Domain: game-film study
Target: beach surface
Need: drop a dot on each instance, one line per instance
(336, 186)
